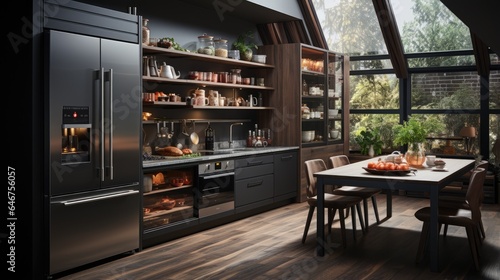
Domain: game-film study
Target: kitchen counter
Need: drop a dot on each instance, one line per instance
(217, 154)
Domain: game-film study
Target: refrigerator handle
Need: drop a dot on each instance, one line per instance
(111, 124)
(101, 119)
(85, 200)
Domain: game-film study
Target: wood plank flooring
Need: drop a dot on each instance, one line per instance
(268, 246)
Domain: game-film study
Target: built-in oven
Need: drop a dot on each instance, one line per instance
(215, 188)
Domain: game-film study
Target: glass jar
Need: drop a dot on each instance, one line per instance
(306, 112)
(221, 48)
(205, 45)
(236, 76)
(145, 31)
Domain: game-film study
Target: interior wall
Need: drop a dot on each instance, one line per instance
(183, 21)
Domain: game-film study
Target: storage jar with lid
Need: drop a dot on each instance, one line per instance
(221, 48)
(145, 31)
(205, 45)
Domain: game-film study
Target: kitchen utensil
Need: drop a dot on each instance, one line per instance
(184, 128)
(195, 139)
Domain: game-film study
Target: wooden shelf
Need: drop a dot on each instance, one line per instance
(182, 54)
(202, 83)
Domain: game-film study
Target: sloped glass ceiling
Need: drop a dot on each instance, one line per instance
(352, 27)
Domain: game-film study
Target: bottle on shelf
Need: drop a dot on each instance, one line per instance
(249, 139)
(209, 138)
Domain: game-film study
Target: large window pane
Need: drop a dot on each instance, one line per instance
(429, 26)
(350, 26)
(374, 92)
(457, 90)
(381, 122)
(454, 137)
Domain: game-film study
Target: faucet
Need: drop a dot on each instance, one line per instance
(231, 134)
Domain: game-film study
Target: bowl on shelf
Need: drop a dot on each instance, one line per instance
(333, 113)
(308, 135)
(260, 58)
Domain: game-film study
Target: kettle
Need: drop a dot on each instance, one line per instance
(167, 71)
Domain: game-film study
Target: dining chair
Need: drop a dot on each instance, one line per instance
(467, 218)
(333, 202)
(362, 192)
(459, 200)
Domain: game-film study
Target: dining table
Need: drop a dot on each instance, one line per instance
(425, 179)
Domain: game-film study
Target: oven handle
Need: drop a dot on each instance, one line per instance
(217, 175)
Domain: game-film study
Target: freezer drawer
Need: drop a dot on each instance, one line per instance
(92, 228)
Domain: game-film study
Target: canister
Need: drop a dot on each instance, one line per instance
(205, 45)
(221, 47)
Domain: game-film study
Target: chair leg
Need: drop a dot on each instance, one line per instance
(375, 208)
(445, 230)
(346, 212)
(481, 228)
(472, 244)
(423, 242)
(365, 208)
(342, 227)
(308, 223)
(360, 216)
(353, 216)
(331, 216)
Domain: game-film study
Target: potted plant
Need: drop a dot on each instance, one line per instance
(370, 142)
(413, 133)
(244, 45)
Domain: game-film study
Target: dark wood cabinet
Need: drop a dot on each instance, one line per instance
(286, 176)
(314, 77)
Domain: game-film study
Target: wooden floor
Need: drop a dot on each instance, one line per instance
(268, 246)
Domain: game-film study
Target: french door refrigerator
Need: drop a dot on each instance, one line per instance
(94, 156)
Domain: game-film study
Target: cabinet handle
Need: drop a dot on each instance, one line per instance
(286, 157)
(255, 163)
(255, 184)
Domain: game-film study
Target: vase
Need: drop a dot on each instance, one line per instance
(415, 156)
(246, 55)
(371, 151)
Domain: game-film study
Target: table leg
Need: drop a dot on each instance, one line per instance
(434, 231)
(320, 216)
(389, 203)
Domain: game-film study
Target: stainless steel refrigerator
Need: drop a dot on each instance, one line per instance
(93, 88)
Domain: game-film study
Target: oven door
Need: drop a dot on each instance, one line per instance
(215, 193)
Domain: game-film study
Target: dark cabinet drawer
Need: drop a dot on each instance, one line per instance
(253, 171)
(253, 161)
(253, 189)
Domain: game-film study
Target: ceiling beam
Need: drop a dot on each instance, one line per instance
(312, 23)
(391, 36)
(481, 54)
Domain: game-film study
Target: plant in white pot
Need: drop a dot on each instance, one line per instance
(369, 142)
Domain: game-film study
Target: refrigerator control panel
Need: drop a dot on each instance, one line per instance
(76, 115)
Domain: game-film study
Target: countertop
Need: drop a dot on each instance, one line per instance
(219, 154)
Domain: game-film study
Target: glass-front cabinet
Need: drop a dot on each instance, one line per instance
(168, 197)
(322, 77)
